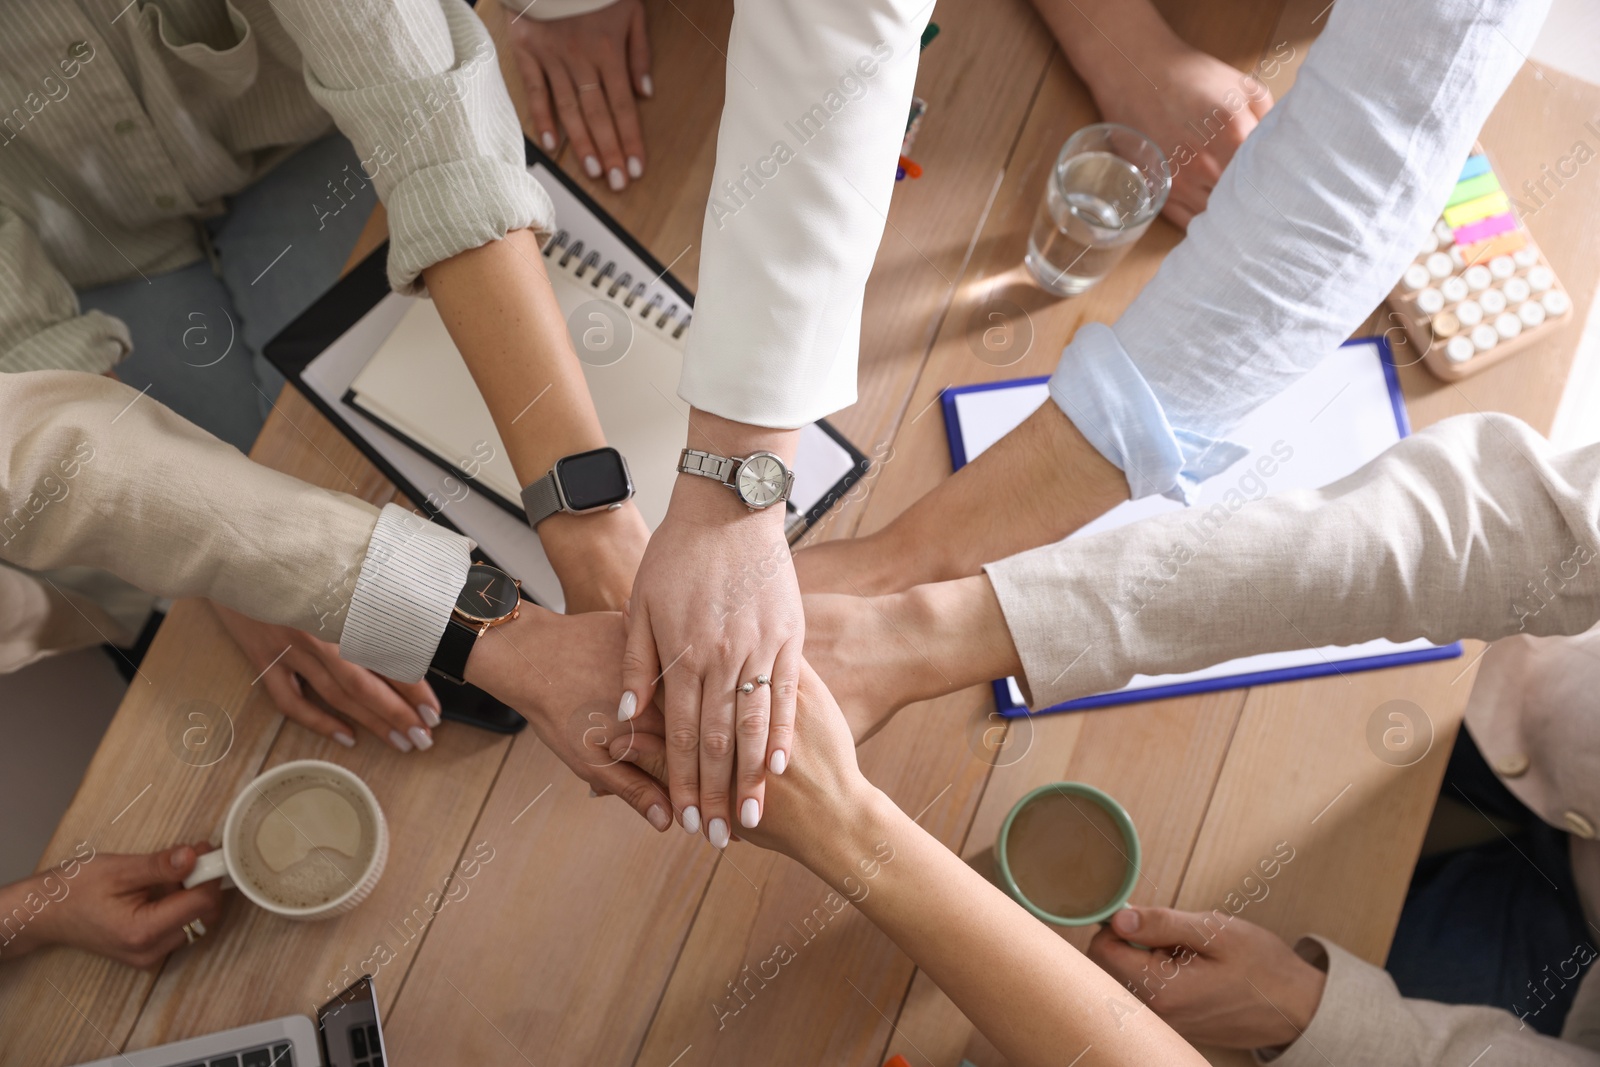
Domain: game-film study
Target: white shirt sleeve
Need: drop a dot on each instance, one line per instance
(409, 580)
(817, 97)
(1312, 223)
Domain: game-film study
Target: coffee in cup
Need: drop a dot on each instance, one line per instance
(306, 840)
(1069, 854)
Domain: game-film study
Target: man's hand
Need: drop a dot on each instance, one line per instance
(1215, 979)
(1199, 120)
(131, 908)
(716, 607)
(591, 66)
(402, 713)
(563, 672)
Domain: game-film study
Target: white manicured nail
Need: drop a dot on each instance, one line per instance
(658, 817)
(345, 739)
(420, 738)
(591, 166)
(635, 168)
(397, 739)
(548, 139)
(592, 793)
(429, 716)
(617, 181)
(647, 85)
(778, 761)
(627, 706)
(749, 813)
(719, 833)
(691, 820)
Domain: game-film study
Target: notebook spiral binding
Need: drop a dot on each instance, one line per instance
(558, 251)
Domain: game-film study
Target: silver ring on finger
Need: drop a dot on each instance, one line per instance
(194, 931)
(750, 687)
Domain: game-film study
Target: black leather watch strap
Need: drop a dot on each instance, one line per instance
(455, 646)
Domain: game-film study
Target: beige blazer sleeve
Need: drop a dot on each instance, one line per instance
(94, 473)
(1474, 528)
(1363, 1019)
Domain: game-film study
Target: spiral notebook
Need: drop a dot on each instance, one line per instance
(1338, 417)
(383, 368)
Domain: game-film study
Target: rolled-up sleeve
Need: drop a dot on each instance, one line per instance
(416, 87)
(93, 473)
(41, 325)
(1312, 222)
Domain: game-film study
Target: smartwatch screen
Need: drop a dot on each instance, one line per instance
(594, 479)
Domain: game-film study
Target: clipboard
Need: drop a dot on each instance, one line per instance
(1372, 417)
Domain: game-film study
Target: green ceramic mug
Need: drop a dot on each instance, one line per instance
(1109, 821)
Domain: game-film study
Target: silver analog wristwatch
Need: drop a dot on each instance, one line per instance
(760, 479)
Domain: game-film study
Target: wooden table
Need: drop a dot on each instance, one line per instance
(587, 939)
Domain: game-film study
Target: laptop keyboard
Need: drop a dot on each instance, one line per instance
(267, 1056)
(365, 1047)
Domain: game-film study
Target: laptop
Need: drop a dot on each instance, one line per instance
(346, 1034)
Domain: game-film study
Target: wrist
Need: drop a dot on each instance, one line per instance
(595, 556)
(959, 626)
(841, 828)
(497, 663)
(24, 897)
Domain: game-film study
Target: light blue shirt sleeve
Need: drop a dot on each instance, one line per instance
(1313, 221)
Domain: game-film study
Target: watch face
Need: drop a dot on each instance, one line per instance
(489, 595)
(761, 480)
(594, 479)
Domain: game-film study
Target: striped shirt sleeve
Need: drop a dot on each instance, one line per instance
(408, 582)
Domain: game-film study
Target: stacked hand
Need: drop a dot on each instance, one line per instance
(822, 786)
(562, 673)
(716, 621)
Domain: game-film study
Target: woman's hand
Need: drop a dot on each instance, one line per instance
(815, 796)
(715, 608)
(402, 713)
(132, 908)
(591, 66)
(563, 673)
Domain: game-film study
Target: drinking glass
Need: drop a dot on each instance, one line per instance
(1107, 185)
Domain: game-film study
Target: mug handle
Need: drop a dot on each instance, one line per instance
(208, 866)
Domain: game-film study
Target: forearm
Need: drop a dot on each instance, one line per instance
(22, 905)
(1311, 223)
(1032, 994)
(1473, 528)
(1104, 39)
(498, 304)
(1033, 487)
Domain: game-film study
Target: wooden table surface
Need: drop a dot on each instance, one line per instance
(587, 939)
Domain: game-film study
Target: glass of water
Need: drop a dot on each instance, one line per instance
(1107, 185)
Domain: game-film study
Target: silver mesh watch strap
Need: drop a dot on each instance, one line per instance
(706, 465)
(541, 499)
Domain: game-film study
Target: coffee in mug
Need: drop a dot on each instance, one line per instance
(305, 840)
(1069, 854)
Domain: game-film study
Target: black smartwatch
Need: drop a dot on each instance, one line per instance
(490, 597)
(584, 482)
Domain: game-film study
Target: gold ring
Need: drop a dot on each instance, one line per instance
(194, 931)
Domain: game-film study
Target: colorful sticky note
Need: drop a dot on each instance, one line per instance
(1483, 229)
(1503, 245)
(1495, 203)
(1472, 188)
(1476, 165)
